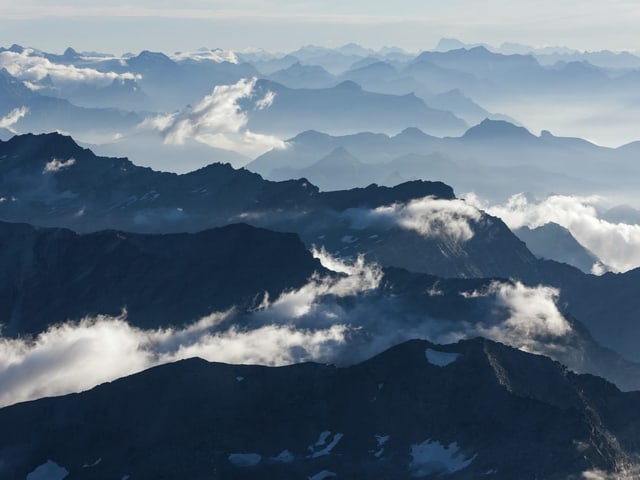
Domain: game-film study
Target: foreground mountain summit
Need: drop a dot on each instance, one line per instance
(476, 409)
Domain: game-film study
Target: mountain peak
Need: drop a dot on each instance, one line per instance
(349, 85)
(492, 129)
(15, 48)
(310, 136)
(446, 44)
(412, 133)
(70, 53)
(339, 156)
(54, 139)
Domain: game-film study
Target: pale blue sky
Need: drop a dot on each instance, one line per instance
(129, 25)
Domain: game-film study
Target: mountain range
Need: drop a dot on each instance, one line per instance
(495, 159)
(255, 265)
(419, 226)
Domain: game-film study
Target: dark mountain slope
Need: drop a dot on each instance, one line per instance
(460, 411)
(53, 275)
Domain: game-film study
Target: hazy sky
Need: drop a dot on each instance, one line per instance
(168, 25)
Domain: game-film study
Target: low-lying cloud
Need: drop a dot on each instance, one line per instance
(615, 244)
(532, 321)
(428, 216)
(340, 318)
(219, 120)
(216, 55)
(32, 68)
(56, 165)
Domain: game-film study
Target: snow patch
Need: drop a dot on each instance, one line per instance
(381, 440)
(440, 359)
(431, 457)
(89, 465)
(348, 239)
(48, 471)
(245, 459)
(284, 456)
(322, 475)
(322, 440)
(239, 379)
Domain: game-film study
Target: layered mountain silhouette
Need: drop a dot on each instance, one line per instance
(46, 113)
(494, 159)
(346, 108)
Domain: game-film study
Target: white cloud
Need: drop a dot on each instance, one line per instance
(219, 120)
(30, 67)
(217, 55)
(533, 320)
(629, 472)
(615, 244)
(358, 277)
(55, 165)
(429, 216)
(13, 117)
(266, 101)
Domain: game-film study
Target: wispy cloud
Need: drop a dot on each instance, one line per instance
(13, 117)
(615, 244)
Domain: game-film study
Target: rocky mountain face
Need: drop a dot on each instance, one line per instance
(474, 409)
(48, 180)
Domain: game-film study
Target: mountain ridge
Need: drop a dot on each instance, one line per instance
(226, 396)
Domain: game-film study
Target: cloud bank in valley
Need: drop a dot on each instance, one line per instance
(615, 244)
(31, 68)
(218, 120)
(341, 318)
